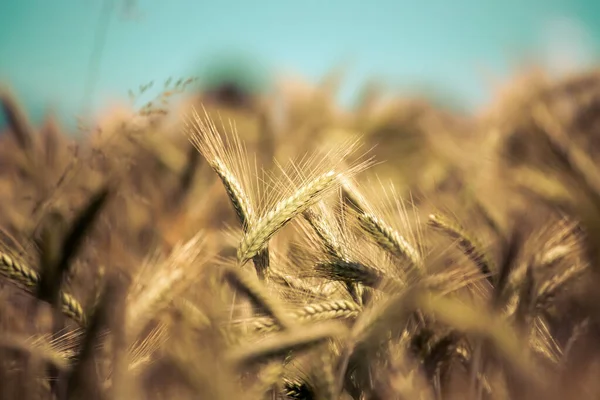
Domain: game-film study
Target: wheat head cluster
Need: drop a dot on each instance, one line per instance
(281, 248)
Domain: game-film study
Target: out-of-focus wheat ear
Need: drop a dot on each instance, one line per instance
(544, 260)
(324, 373)
(576, 160)
(51, 135)
(482, 324)
(257, 295)
(549, 288)
(268, 381)
(18, 122)
(579, 331)
(526, 298)
(584, 178)
(352, 272)
(280, 344)
(378, 230)
(26, 277)
(293, 283)
(465, 242)
(173, 276)
(261, 232)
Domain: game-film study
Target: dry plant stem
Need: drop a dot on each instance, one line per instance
(28, 278)
(258, 236)
(465, 243)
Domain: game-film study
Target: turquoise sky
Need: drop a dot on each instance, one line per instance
(45, 46)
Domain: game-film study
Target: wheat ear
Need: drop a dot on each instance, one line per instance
(466, 243)
(28, 278)
(384, 235)
(335, 309)
(258, 236)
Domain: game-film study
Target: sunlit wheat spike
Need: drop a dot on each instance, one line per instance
(239, 200)
(335, 309)
(258, 296)
(222, 158)
(465, 242)
(258, 236)
(378, 230)
(389, 239)
(29, 279)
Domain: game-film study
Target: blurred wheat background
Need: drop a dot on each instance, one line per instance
(310, 200)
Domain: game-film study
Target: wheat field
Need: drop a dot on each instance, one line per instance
(244, 246)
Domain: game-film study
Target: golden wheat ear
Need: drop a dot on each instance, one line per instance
(379, 230)
(302, 184)
(230, 162)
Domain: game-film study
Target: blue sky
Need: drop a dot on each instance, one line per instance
(453, 45)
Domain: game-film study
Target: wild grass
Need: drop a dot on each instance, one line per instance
(468, 269)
